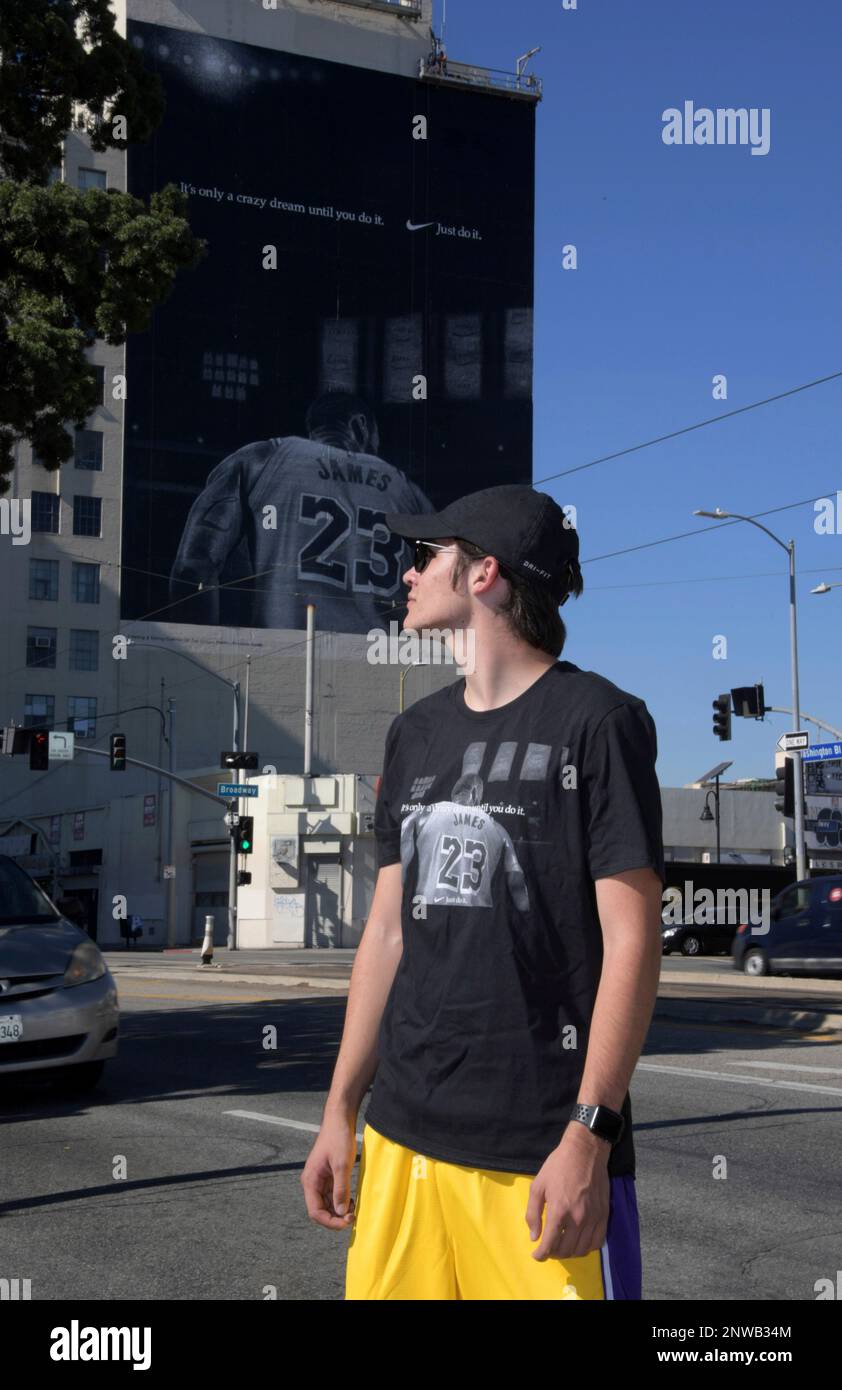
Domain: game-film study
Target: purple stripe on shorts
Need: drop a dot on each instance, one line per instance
(622, 1275)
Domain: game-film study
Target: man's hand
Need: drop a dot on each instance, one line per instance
(574, 1185)
(326, 1176)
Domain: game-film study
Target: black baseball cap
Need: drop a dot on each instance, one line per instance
(523, 529)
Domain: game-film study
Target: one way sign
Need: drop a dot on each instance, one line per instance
(792, 743)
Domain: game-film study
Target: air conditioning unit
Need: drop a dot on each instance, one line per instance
(43, 641)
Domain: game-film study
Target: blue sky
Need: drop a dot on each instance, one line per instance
(693, 261)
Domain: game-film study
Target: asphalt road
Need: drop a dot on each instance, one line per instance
(211, 1206)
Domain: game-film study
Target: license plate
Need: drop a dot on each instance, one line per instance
(11, 1027)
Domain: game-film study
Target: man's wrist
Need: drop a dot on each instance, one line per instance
(602, 1121)
(583, 1138)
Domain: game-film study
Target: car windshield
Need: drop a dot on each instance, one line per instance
(21, 900)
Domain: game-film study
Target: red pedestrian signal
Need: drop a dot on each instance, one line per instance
(39, 750)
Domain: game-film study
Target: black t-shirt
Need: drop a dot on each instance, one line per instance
(501, 820)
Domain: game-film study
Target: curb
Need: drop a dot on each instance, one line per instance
(198, 972)
(789, 1020)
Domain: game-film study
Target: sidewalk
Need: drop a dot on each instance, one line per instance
(722, 996)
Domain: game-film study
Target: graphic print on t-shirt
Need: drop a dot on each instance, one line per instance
(459, 844)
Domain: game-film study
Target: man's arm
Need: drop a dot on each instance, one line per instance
(212, 530)
(377, 959)
(574, 1180)
(629, 907)
(326, 1177)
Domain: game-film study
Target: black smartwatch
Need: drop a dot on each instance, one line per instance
(604, 1123)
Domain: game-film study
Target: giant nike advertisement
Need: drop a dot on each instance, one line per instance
(357, 340)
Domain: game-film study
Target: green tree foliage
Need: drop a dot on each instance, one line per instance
(73, 265)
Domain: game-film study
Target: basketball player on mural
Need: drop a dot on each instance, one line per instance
(296, 521)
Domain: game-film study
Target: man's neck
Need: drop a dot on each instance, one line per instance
(500, 678)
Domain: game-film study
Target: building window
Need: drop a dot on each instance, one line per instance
(91, 178)
(43, 579)
(45, 512)
(38, 709)
(87, 516)
(81, 715)
(85, 583)
(88, 449)
(99, 373)
(84, 649)
(41, 646)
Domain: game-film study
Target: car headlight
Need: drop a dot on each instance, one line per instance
(670, 931)
(85, 964)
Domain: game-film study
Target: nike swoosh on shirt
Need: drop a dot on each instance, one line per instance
(414, 226)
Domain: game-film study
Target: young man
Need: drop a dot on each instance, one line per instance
(507, 974)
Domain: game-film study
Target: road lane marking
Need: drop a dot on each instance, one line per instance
(200, 998)
(790, 1066)
(741, 1080)
(275, 1120)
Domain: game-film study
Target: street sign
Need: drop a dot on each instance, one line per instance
(791, 743)
(234, 789)
(823, 752)
(61, 747)
(232, 818)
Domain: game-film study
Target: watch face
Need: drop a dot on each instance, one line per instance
(606, 1125)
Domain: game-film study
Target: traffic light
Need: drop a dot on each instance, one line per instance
(39, 750)
(15, 740)
(785, 788)
(749, 701)
(722, 717)
(118, 752)
(244, 762)
(245, 834)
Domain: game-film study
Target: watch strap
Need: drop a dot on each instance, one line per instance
(600, 1120)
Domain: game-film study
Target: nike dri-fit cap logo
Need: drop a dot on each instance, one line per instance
(522, 528)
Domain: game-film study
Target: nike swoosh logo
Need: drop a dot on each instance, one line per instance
(414, 226)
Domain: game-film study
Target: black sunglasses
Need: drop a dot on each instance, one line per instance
(423, 552)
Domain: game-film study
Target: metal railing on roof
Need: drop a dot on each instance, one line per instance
(525, 85)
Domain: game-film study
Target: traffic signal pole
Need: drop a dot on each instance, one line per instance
(800, 849)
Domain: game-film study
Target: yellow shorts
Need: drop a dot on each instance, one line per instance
(426, 1229)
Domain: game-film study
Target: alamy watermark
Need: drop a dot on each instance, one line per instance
(16, 519)
(726, 125)
(428, 646)
(708, 906)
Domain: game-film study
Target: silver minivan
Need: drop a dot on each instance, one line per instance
(58, 999)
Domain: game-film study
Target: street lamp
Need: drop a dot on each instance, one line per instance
(789, 547)
(404, 673)
(714, 775)
(233, 686)
(825, 588)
